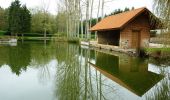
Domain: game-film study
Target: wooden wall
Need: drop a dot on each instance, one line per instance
(141, 23)
(124, 37)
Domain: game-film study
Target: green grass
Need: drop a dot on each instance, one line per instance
(162, 53)
(157, 49)
(34, 38)
(57, 39)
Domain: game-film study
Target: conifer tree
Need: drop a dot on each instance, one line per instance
(14, 17)
(25, 19)
(19, 18)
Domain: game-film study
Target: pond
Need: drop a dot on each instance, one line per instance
(63, 71)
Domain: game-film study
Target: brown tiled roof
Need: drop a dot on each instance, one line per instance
(117, 21)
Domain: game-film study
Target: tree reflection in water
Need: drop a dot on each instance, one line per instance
(18, 58)
(75, 79)
(86, 74)
(41, 60)
(162, 90)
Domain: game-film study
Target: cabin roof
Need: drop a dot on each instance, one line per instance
(119, 20)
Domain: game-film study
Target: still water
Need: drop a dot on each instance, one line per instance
(62, 71)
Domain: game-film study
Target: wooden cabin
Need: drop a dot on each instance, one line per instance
(128, 30)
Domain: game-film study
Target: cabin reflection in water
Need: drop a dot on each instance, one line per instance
(131, 73)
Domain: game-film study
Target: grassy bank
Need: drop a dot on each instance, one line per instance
(158, 52)
(56, 39)
(59, 37)
(150, 50)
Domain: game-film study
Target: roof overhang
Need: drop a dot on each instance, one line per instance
(109, 29)
(155, 22)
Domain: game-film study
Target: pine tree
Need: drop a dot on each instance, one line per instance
(14, 17)
(19, 18)
(25, 19)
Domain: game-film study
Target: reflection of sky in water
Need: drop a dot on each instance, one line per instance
(157, 69)
(27, 85)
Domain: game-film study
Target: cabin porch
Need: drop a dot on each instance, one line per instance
(111, 37)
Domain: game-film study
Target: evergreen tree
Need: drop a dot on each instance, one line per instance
(3, 19)
(14, 17)
(126, 9)
(25, 19)
(19, 18)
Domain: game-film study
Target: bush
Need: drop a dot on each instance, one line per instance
(2, 33)
(73, 40)
(153, 33)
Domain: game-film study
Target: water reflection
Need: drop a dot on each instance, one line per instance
(131, 73)
(18, 58)
(75, 73)
(68, 71)
(76, 80)
(161, 91)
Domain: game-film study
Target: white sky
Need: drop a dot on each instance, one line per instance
(109, 6)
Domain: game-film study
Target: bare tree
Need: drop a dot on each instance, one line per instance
(91, 14)
(45, 7)
(77, 12)
(81, 19)
(162, 10)
(98, 10)
(87, 19)
(72, 11)
(102, 10)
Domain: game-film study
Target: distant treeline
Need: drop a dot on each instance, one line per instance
(18, 19)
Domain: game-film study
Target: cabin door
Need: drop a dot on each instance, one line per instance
(136, 39)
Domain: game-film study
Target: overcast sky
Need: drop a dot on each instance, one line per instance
(109, 6)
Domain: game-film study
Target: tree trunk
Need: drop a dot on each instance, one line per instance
(97, 18)
(103, 9)
(87, 20)
(91, 14)
(67, 16)
(81, 25)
